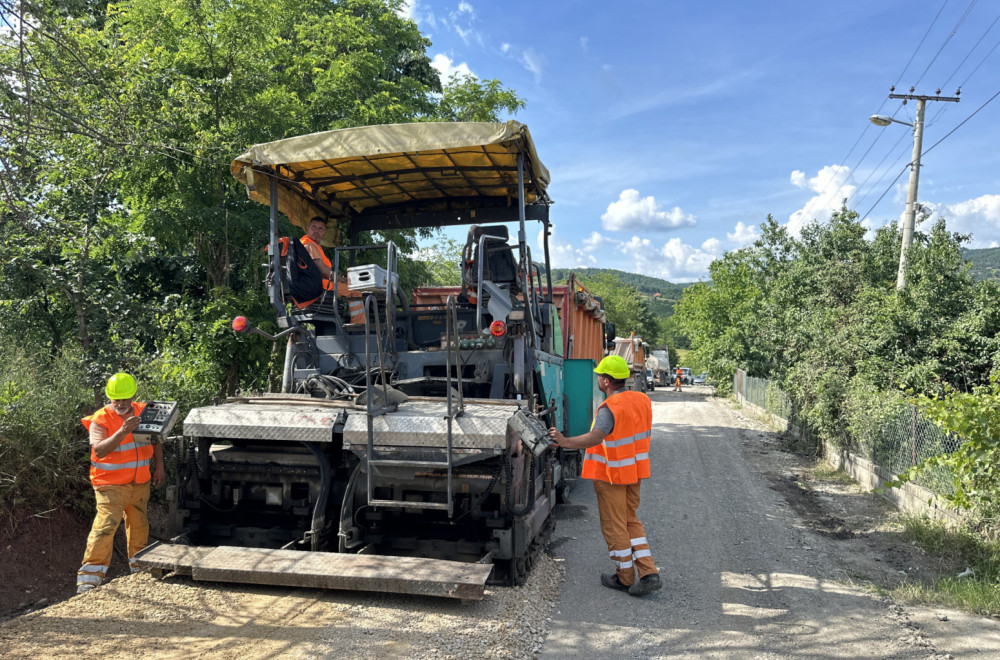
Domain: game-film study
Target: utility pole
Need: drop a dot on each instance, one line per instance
(909, 219)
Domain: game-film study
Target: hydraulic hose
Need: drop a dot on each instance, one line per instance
(530, 504)
(489, 488)
(319, 511)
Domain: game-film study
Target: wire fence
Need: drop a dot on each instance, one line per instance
(893, 438)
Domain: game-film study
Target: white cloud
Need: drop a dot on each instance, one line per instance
(634, 212)
(407, 9)
(596, 241)
(462, 20)
(979, 217)
(446, 67)
(743, 234)
(505, 48)
(831, 188)
(564, 255)
(673, 261)
(687, 263)
(533, 62)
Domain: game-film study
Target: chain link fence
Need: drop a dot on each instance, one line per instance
(894, 438)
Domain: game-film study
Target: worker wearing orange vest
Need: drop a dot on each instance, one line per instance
(312, 241)
(617, 460)
(120, 474)
(677, 379)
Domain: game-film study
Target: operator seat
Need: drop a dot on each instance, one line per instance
(499, 265)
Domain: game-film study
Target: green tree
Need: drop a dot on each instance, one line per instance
(626, 307)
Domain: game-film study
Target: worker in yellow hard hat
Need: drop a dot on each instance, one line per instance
(120, 473)
(617, 460)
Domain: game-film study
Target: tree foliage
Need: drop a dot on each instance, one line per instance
(127, 242)
(626, 307)
(820, 313)
(975, 465)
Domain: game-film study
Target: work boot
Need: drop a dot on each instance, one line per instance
(611, 581)
(84, 588)
(645, 585)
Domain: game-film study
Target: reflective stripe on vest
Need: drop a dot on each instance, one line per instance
(127, 463)
(623, 456)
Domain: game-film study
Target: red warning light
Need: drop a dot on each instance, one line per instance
(498, 328)
(240, 324)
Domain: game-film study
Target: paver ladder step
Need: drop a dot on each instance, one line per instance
(323, 570)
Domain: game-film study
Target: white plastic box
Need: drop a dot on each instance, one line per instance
(368, 278)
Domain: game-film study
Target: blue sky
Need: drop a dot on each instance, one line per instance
(672, 129)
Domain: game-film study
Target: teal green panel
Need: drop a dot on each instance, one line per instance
(582, 395)
(557, 335)
(550, 376)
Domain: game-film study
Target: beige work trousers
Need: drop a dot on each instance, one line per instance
(128, 501)
(624, 534)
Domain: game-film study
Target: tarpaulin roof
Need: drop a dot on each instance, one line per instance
(369, 171)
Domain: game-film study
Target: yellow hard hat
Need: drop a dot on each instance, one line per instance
(614, 366)
(120, 386)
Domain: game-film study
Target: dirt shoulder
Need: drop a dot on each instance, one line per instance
(876, 552)
(39, 560)
(868, 543)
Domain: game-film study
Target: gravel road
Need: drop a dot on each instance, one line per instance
(746, 575)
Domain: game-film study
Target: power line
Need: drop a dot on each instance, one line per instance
(928, 150)
(948, 134)
(971, 51)
(917, 49)
(893, 149)
(885, 193)
(946, 40)
(843, 162)
(980, 63)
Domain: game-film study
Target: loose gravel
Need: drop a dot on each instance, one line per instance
(139, 616)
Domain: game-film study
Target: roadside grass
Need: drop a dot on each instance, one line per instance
(978, 592)
(43, 447)
(823, 471)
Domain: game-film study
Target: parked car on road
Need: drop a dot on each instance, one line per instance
(699, 379)
(650, 383)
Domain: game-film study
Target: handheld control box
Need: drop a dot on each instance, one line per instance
(156, 421)
(533, 433)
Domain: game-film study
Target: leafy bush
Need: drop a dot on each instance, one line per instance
(43, 445)
(975, 465)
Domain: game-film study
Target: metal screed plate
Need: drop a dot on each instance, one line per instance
(262, 422)
(424, 424)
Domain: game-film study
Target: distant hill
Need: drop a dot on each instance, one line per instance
(985, 263)
(663, 304)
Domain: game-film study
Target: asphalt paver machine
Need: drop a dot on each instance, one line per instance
(407, 450)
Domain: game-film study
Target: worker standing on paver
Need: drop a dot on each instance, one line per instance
(617, 459)
(120, 473)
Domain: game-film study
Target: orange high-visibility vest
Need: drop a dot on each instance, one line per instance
(623, 456)
(129, 462)
(354, 305)
(306, 241)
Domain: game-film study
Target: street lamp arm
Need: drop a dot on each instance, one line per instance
(884, 120)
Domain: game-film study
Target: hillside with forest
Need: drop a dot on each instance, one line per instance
(985, 263)
(661, 293)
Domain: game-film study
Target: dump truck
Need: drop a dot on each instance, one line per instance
(634, 350)
(408, 449)
(659, 364)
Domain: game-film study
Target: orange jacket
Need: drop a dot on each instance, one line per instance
(316, 250)
(129, 462)
(623, 456)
